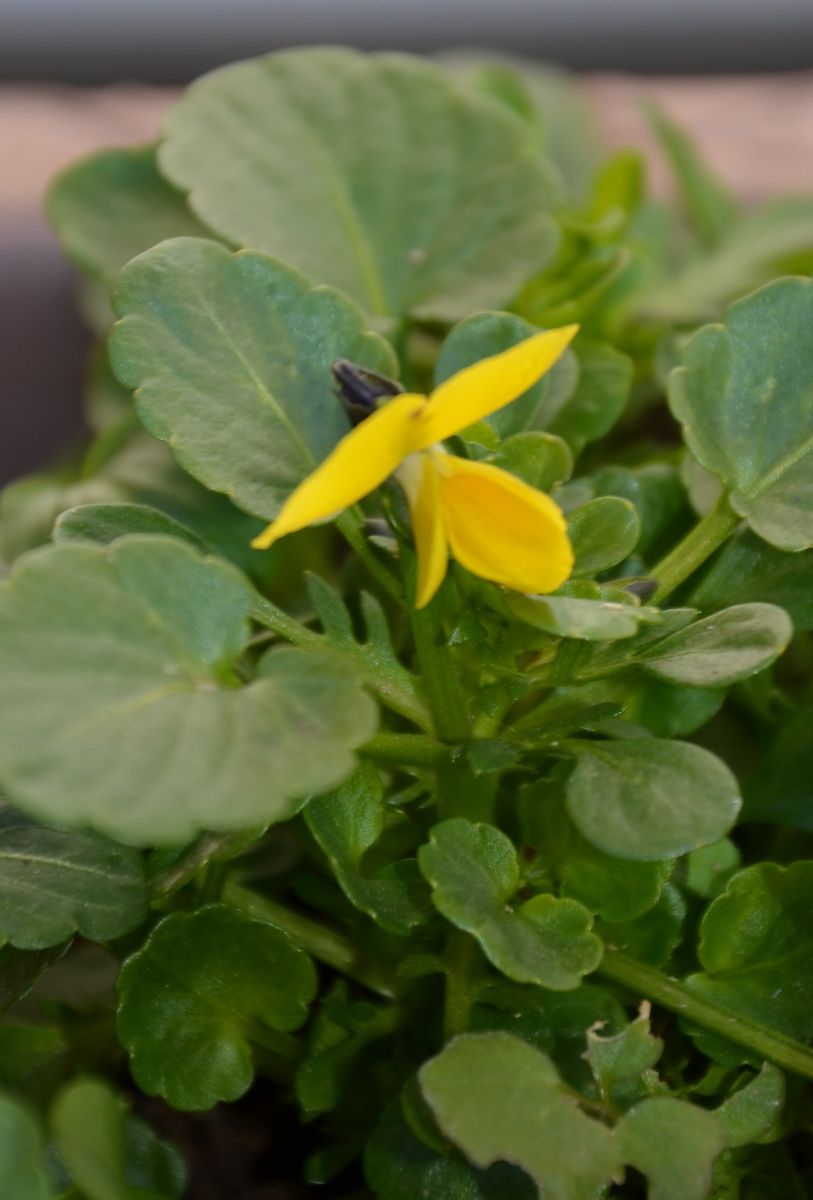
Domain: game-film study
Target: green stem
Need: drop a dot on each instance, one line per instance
(460, 960)
(441, 682)
(411, 749)
(264, 612)
(319, 940)
(187, 866)
(349, 527)
(707, 536)
(674, 996)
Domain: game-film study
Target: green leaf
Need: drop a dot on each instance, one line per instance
(574, 617)
(708, 869)
(751, 1113)
(674, 1144)
(756, 948)
(357, 188)
(659, 497)
(108, 1154)
(193, 996)
(650, 798)
(603, 533)
(653, 936)
(622, 1064)
(781, 788)
(743, 396)
(748, 569)
(30, 1056)
(109, 207)
(120, 660)
(55, 883)
(233, 365)
(347, 823)
(399, 1166)
(474, 874)
(21, 1154)
(467, 1086)
(599, 397)
(541, 459)
(103, 523)
(721, 649)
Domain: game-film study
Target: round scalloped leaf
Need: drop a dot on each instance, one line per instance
(374, 175)
(121, 709)
(650, 798)
(55, 882)
(744, 395)
(191, 997)
(231, 356)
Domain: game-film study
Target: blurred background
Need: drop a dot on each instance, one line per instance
(90, 73)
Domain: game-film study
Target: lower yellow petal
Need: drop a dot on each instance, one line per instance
(360, 462)
(419, 478)
(501, 528)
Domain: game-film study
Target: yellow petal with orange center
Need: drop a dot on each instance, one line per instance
(420, 480)
(501, 528)
(360, 462)
(486, 386)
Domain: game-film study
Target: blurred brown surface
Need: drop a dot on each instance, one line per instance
(757, 133)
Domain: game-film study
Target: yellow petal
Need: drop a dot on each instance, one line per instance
(501, 528)
(360, 462)
(481, 389)
(421, 482)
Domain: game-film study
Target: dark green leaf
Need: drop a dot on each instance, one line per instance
(650, 798)
(541, 459)
(191, 997)
(652, 937)
(55, 883)
(22, 1176)
(120, 660)
(599, 397)
(781, 789)
(474, 874)
(748, 569)
(603, 532)
(357, 187)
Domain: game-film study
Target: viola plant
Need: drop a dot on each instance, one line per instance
(404, 735)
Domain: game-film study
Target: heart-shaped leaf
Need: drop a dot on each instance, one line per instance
(121, 709)
(357, 187)
(191, 997)
(233, 365)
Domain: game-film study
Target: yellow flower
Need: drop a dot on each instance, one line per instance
(494, 524)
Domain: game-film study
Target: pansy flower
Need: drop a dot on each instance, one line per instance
(492, 523)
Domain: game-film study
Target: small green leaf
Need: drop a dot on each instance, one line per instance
(541, 459)
(721, 649)
(653, 936)
(22, 1154)
(109, 207)
(574, 617)
(622, 1064)
(748, 569)
(120, 660)
(743, 396)
(347, 823)
(568, 1155)
(109, 1155)
(103, 523)
(357, 187)
(233, 367)
(659, 497)
(55, 883)
(674, 1144)
(751, 1113)
(599, 397)
(650, 798)
(756, 948)
(191, 997)
(603, 533)
(474, 874)
(708, 869)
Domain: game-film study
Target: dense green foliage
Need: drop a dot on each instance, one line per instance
(510, 895)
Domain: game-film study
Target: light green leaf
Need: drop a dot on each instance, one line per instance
(55, 883)
(567, 1154)
(603, 533)
(751, 1113)
(708, 869)
(622, 1064)
(744, 396)
(748, 569)
(347, 823)
(574, 617)
(21, 1154)
(650, 798)
(108, 1154)
(103, 523)
(721, 649)
(598, 398)
(541, 459)
(674, 1144)
(191, 996)
(109, 207)
(120, 661)
(233, 365)
(474, 874)
(756, 948)
(357, 187)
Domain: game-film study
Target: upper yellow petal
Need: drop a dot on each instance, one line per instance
(501, 528)
(360, 462)
(421, 482)
(481, 389)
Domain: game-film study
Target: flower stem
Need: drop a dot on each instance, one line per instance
(410, 749)
(441, 682)
(460, 959)
(677, 998)
(699, 544)
(349, 527)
